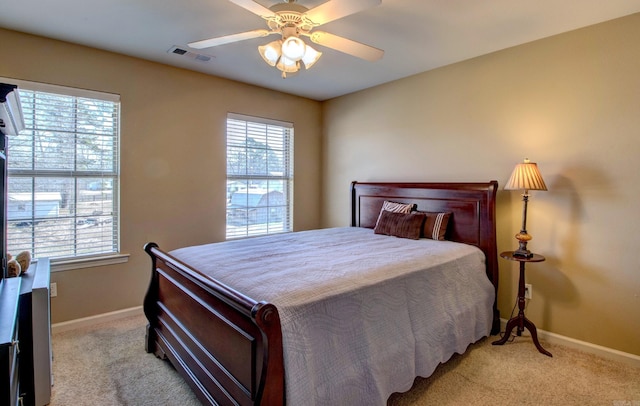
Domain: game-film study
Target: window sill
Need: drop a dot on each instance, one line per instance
(90, 262)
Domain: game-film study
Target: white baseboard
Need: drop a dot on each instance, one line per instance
(97, 319)
(604, 352)
(552, 338)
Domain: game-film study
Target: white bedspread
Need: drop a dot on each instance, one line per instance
(362, 314)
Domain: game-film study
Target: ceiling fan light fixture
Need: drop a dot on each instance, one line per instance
(293, 21)
(293, 48)
(271, 52)
(310, 57)
(288, 65)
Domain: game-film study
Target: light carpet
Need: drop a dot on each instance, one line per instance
(106, 364)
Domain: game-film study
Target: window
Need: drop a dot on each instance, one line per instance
(259, 176)
(62, 199)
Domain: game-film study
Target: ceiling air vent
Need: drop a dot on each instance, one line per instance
(176, 50)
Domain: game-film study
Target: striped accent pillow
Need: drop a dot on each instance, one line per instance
(395, 207)
(435, 227)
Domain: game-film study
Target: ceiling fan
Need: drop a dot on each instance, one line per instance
(292, 21)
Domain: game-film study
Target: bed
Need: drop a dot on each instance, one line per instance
(208, 315)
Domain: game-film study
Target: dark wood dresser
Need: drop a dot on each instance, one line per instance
(25, 338)
(9, 342)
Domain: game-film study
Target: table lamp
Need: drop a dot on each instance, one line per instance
(525, 176)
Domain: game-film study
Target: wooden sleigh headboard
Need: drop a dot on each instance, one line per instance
(472, 205)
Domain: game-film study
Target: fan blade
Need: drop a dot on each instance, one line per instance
(255, 8)
(347, 46)
(212, 42)
(335, 9)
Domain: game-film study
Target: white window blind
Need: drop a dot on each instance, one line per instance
(63, 174)
(259, 176)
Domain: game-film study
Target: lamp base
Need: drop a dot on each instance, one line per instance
(520, 253)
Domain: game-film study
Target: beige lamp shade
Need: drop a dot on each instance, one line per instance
(526, 176)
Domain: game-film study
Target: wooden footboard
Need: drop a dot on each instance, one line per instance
(226, 345)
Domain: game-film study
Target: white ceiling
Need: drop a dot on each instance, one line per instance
(417, 35)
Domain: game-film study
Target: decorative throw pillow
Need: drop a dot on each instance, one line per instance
(403, 225)
(395, 207)
(435, 227)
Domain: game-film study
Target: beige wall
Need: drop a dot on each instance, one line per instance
(173, 157)
(569, 102)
